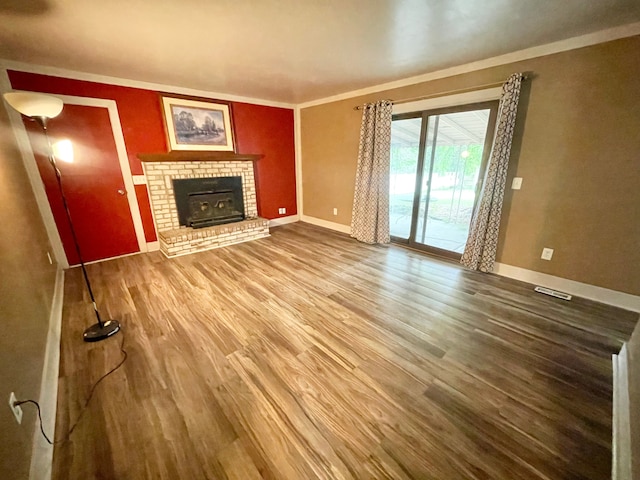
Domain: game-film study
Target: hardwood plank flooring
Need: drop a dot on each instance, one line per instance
(308, 355)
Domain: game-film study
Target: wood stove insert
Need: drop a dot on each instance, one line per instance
(203, 202)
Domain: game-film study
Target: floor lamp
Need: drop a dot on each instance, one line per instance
(41, 108)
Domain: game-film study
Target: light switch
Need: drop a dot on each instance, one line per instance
(517, 183)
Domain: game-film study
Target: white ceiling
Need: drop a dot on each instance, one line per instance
(287, 50)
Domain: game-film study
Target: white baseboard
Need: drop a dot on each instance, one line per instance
(153, 246)
(42, 453)
(284, 220)
(326, 224)
(621, 435)
(584, 290)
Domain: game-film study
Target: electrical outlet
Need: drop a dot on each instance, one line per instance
(282, 211)
(547, 253)
(17, 411)
(335, 211)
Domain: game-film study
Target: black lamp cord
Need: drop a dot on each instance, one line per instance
(42, 121)
(86, 403)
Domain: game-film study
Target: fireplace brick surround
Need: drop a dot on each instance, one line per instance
(175, 239)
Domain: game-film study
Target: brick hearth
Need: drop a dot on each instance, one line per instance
(176, 239)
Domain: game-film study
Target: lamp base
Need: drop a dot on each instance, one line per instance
(95, 333)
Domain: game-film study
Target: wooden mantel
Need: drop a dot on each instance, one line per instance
(194, 156)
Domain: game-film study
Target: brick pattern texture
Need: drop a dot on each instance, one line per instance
(179, 240)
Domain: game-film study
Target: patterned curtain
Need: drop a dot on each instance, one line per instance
(480, 250)
(370, 215)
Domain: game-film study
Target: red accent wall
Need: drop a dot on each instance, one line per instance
(139, 110)
(145, 212)
(258, 129)
(269, 131)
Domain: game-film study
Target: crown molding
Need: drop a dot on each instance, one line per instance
(595, 38)
(124, 82)
(590, 39)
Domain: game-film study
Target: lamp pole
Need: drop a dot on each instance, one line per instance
(41, 108)
(52, 161)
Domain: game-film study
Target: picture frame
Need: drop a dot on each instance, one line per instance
(198, 125)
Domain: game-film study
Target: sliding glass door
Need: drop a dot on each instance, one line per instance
(437, 165)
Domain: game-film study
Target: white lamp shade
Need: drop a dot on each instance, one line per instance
(32, 104)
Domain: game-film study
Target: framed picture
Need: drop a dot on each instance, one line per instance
(198, 125)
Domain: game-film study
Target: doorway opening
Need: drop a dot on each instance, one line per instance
(438, 160)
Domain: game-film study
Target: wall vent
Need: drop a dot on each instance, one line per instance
(553, 293)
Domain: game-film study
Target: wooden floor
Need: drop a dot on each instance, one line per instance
(309, 355)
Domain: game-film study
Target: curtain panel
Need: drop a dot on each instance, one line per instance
(482, 243)
(370, 215)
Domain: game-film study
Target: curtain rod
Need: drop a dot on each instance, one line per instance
(448, 92)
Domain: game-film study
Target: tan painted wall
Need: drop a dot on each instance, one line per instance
(26, 291)
(577, 147)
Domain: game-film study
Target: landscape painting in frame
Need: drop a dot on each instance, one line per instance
(198, 125)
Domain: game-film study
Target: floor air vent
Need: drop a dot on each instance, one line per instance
(553, 293)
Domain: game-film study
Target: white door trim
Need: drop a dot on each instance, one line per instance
(602, 36)
(123, 160)
(33, 173)
(297, 141)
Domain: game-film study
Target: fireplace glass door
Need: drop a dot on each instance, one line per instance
(203, 202)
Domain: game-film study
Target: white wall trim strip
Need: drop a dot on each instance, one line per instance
(621, 433)
(595, 38)
(125, 167)
(123, 158)
(584, 290)
(338, 227)
(112, 258)
(139, 179)
(42, 452)
(153, 246)
(297, 140)
(31, 167)
(124, 82)
(526, 54)
(284, 220)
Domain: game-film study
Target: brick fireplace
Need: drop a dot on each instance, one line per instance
(175, 239)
